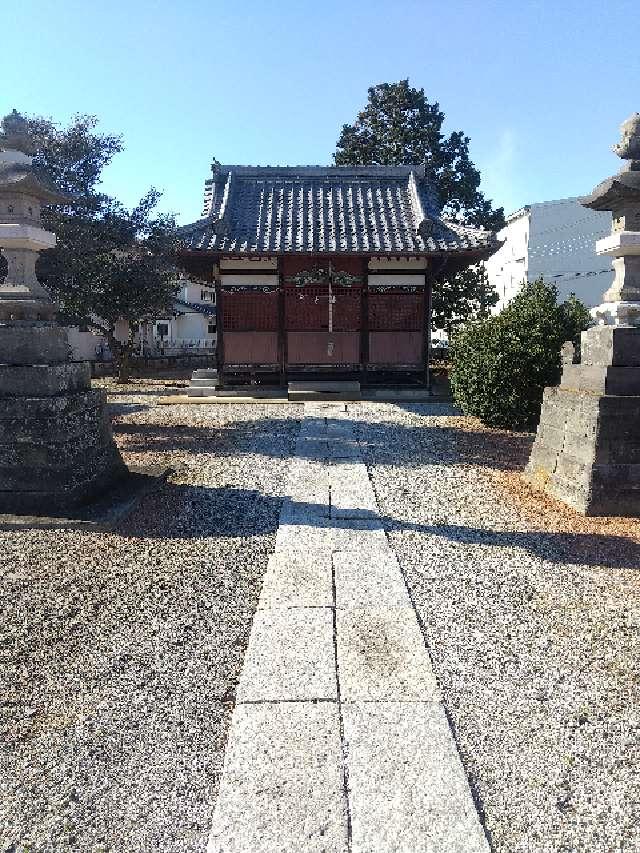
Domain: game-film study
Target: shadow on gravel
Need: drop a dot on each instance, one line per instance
(192, 512)
(386, 444)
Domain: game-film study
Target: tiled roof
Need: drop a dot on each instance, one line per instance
(183, 307)
(314, 209)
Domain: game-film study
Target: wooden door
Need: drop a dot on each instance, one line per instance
(396, 327)
(250, 326)
(320, 332)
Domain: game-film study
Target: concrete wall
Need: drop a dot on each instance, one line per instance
(555, 240)
(507, 269)
(84, 345)
(562, 242)
(197, 293)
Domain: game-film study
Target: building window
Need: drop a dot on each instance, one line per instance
(211, 328)
(162, 330)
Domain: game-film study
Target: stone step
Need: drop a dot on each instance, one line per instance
(325, 390)
(205, 373)
(249, 392)
(335, 386)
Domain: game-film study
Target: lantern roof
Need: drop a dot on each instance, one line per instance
(17, 173)
(624, 187)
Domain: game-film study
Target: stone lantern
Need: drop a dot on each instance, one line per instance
(56, 445)
(587, 449)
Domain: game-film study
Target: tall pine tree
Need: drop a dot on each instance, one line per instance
(400, 126)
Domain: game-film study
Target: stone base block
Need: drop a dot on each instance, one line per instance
(602, 379)
(35, 419)
(29, 344)
(108, 509)
(587, 451)
(55, 452)
(616, 345)
(44, 380)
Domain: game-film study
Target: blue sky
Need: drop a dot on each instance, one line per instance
(540, 87)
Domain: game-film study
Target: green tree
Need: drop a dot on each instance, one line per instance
(461, 297)
(109, 263)
(399, 125)
(502, 364)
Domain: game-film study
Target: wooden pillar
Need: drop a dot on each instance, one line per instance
(426, 342)
(282, 332)
(219, 331)
(364, 321)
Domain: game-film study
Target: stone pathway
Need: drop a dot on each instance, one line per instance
(339, 742)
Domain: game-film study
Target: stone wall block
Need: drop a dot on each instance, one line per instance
(35, 479)
(44, 380)
(55, 448)
(43, 408)
(29, 345)
(587, 451)
(63, 492)
(615, 345)
(602, 379)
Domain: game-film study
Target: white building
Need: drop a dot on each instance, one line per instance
(555, 240)
(189, 328)
(192, 323)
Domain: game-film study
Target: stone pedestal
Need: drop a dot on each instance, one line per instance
(56, 446)
(587, 449)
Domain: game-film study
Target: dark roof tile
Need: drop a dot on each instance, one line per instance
(316, 209)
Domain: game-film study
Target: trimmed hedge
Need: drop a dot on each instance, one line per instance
(502, 365)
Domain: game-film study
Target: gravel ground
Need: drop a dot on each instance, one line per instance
(531, 615)
(119, 653)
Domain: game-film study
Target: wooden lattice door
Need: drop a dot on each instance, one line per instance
(323, 324)
(250, 326)
(396, 326)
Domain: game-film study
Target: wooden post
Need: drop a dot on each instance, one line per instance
(426, 347)
(282, 332)
(364, 321)
(219, 331)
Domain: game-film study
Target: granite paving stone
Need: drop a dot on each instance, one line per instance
(293, 579)
(305, 512)
(407, 789)
(369, 581)
(381, 655)
(292, 735)
(365, 537)
(324, 566)
(317, 535)
(290, 656)
(290, 811)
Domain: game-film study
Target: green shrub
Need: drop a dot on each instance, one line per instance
(502, 365)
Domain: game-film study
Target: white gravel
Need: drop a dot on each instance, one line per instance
(119, 653)
(538, 654)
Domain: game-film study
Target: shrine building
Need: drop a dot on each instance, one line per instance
(325, 271)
